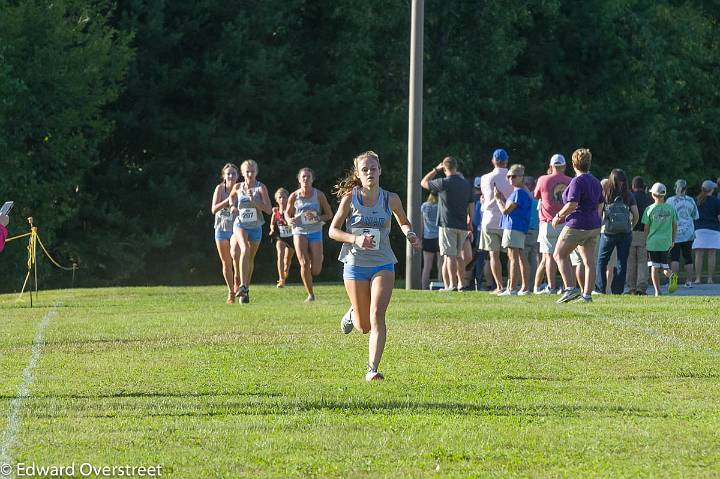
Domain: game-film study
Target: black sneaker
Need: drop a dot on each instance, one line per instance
(244, 294)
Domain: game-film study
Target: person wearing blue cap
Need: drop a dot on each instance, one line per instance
(492, 233)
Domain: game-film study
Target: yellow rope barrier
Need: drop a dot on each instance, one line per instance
(17, 237)
(32, 257)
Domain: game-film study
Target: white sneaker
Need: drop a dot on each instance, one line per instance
(373, 375)
(506, 292)
(524, 292)
(346, 324)
(688, 284)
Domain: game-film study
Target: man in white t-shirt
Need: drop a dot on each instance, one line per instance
(491, 234)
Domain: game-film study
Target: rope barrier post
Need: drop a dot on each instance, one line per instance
(31, 260)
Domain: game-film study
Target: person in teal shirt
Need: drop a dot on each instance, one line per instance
(660, 220)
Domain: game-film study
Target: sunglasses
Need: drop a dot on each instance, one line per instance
(514, 176)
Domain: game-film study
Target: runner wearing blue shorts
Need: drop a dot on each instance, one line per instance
(307, 211)
(369, 272)
(224, 240)
(250, 200)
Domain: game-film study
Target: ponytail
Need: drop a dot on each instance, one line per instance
(345, 185)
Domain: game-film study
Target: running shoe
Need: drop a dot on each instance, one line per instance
(310, 298)
(585, 298)
(346, 324)
(244, 294)
(280, 284)
(373, 375)
(524, 292)
(569, 295)
(688, 284)
(506, 292)
(672, 287)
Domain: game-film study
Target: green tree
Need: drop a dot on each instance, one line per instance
(60, 64)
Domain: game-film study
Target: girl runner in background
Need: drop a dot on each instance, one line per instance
(281, 233)
(369, 271)
(226, 244)
(307, 210)
(250, 200)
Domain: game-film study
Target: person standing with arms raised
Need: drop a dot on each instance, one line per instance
(454, 218)
(491, 232)
(366, 212)
(549, 191)
(307, 211)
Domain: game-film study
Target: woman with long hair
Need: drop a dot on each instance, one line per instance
(366, 211)
(307, 210)
(249, 200)
(281, 234)
(224, 240)
(707, 230)
(619, 215)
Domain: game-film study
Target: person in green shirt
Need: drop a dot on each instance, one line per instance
(660, 220)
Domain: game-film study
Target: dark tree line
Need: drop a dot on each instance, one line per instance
(116, 118)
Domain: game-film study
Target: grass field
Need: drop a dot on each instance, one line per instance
(476, 386)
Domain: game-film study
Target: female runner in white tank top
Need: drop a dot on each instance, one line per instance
(307, 210)
(224, 239)
(250, 199)
(366, 211)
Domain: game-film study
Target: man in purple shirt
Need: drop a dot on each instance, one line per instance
(582, 227)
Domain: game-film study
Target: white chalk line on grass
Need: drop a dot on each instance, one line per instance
(672, 340)
(13, 420)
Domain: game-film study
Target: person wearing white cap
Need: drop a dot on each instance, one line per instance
(687, 213)
(660, 220)
(492, 233)
(549, 190)
(707, 230)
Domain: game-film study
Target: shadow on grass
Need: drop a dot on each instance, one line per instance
(141, 394)
(349, 408)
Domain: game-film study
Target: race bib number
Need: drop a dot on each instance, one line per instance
(248, 215)
(308, 217)
(372, 232)
(285, 231)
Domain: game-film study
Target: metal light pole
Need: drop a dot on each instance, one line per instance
(412, 261)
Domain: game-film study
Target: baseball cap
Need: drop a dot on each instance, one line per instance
(557, 160)
(500, 155)
(476, 182)
(517, 170)
(658, 189)
(709, 185)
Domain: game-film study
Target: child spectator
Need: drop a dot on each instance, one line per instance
(515, 222)
(660, 220)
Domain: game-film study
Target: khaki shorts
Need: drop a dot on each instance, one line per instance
(548, 237)
(575, 258)
(513, 239)
(491, 239)
(451, 241)
(587, 238)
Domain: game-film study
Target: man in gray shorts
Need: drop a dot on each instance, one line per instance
(491, 234)
(455, 208)
(549, 190)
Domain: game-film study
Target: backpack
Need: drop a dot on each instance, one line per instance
(617, 217)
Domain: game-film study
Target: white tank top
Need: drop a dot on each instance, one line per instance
(375, 221)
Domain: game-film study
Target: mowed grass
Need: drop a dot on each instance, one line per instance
(476, 386)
